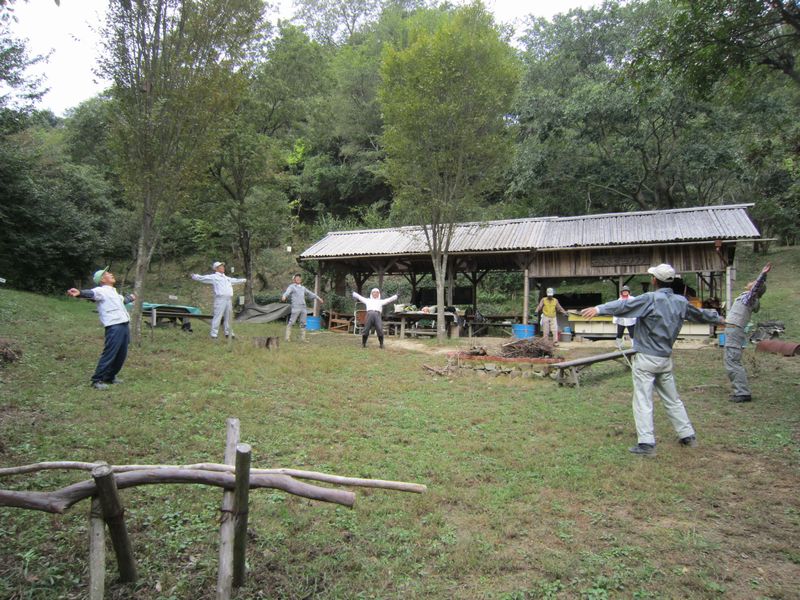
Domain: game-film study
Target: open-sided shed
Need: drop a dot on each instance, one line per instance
(698, 240)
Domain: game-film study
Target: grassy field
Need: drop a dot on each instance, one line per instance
(532, 493)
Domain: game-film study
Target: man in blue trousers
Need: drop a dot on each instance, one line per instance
(114, 317)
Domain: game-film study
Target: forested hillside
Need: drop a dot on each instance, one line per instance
(237, 140)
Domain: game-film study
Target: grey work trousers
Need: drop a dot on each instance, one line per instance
(223, 311)
(735, 339)
(655, 373)
(297, 314)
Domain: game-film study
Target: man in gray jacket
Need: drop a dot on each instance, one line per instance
(659, 318)
(296, 294)
(736, 320)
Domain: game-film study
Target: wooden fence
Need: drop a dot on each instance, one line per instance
(235, 476)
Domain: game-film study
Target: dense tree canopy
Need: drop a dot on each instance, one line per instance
(221, 135)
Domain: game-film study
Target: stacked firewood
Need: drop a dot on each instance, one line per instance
(528, 348)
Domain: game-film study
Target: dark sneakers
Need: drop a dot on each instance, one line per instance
(689, 441)
(738, 399)
(643, 449)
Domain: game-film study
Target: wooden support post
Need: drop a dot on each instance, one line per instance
(225, 575)
(526, 301)
(241, 504)
(153, 321)
(97, 551)
(114, 516)
(317, 286)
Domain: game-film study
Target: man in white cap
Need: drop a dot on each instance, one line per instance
(296, 293)
(374, 314)
(660, 315)
(223, 297)
(549, 307)
(114, 317)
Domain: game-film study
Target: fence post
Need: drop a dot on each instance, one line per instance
(114, 515)
(225, 575)
(97, 551)
(241, 509)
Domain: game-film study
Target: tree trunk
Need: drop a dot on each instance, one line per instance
(440, 272)
(145, 248)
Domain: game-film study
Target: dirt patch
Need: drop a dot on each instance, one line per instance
(9, 351)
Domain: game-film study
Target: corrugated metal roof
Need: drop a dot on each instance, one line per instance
(550, 233)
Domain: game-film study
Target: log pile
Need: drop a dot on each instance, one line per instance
(528, 348)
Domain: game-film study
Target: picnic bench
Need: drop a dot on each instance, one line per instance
(568, 370)
(172, 314)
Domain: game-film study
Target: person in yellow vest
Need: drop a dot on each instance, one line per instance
(549, 307)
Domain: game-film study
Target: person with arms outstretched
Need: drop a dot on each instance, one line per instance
(736, 320)
(223, 297)
(374, 320)
(115, 318)
(659, 317)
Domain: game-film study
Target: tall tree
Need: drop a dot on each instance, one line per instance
(707, 40)
(445, 100)
(171, 63)
(277, 101)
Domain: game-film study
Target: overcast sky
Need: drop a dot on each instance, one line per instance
(70, 32)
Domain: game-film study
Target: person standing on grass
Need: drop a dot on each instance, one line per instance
(296, 294)
(223, 297)
(623, 323)
(736, 320)
(115, 318)
(549, 307)
(660, 315)
(374, 320)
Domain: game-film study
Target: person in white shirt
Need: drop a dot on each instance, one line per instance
(624, 322)
(374, 309)
(114, 317)
(223, 297)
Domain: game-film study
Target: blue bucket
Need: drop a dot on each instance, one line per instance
(523, 331)
(721, 339)
(313, 323)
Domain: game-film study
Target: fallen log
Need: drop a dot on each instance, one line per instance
(59, 501)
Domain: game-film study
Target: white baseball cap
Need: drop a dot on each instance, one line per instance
(374, 290)
(215, 265)
(550, 291)
(662, 272)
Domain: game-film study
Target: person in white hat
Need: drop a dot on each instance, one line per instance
(114, 317)
(660, 315)
(374, 320)
(623, 323)
(296, 293)
(223, 297)
(736, 320)
(549, 307)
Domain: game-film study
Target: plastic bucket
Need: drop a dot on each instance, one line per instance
(568, 330)
(565, 336)
(313, 323)
(523, 331)
(721, 339)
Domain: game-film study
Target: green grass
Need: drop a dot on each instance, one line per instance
(531, 491)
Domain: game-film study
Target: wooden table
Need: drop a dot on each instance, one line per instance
(501, 322)
(409, 317)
